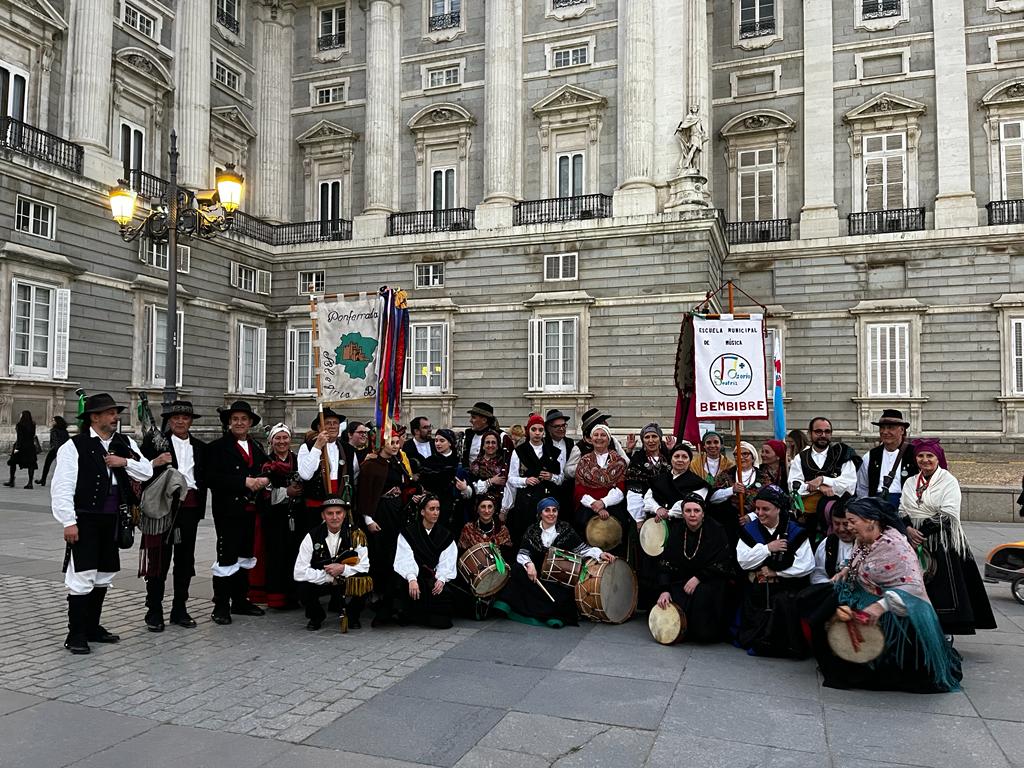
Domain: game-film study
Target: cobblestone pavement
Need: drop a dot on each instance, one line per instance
(264, 692)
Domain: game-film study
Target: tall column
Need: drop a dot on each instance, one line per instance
(955, 204)
(698, 75)
(819, 216)
(381, 109)
(270, 174)
(92, 40)
(636, 194)
(192, 92)
(503, 112)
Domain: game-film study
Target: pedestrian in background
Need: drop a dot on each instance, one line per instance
(58, 436)
(26, 446)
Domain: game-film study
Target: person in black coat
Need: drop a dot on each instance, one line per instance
(234, 466)
(23, 455)
(58, 436)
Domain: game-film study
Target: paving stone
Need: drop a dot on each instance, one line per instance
(483, 757)
(596, 698)
(12, 701)
(315, 757)
(642, 662)
(534, 647)
(542, 735)
(470, 682)
(722, 666)
(613, 748)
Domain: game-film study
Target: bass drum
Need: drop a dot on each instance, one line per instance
(607, 591)
(479, 565)
(667, 625)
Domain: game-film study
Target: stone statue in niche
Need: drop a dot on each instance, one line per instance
(692, 137)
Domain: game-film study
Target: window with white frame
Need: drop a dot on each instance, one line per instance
(154, 253)
(439, 77)
(227, 76)
(139, 20)
(443, 194)
(560, 266)
(553, 354)
(132, 148)
(755, 171)
(576, 55)
(34, 218)
(40, 323)
(252, 359)
(332, 28)
(250, 279)
(1011, 148)
(330, 94)
(888, 359)
(571, 174)
(227, 15)
(311, 281)
(156, 345)
(300, 361)
(1017, 356)
(430, 275)
(13, 91)
(885, 171)
(427, 358)
(757, 18)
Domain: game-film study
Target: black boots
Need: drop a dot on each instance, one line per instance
(31, 475)
(221, 600)
(10, 484)
(179, 614)
(240, 605)
(94, 631)
(155, 605)
(78, 618)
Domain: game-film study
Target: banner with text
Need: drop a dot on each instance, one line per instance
(730, 368)
(347, 330)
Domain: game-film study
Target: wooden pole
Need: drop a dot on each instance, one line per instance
(736, 429)
(325, 462)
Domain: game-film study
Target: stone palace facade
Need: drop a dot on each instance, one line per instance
(554, 181)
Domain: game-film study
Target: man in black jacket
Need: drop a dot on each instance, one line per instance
(234, 469)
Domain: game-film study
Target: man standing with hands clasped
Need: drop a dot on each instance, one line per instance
(89, 486)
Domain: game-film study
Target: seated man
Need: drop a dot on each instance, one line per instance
(836, 549)
(332, 561)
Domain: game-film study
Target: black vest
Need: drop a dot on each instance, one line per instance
(833, 466)
(315, 488)
(321, 556)
(831, 554)
(906, 466)
(93, 486)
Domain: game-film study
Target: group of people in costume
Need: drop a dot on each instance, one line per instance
(767, 555)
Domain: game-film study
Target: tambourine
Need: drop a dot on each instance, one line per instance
(653, 535)
(853, 640)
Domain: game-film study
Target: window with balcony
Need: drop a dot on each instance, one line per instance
(756, 184)
(885, 171)
(332, 24)
(757, 18)
(430, 275)
(880, 15)
(444, 14)
(132, 149)
(13, 91)
(443, 192)
(40, 322)
(227, 15)
(880, 9)
(299, 377)
(571, 174)
(34, 217)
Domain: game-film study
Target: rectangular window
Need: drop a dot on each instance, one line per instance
(13, 92)
(139, 20)
(426, 363)
(227, 76)
(250, 279)
(252, 356)
(571, 181)
(156, 345)
(311, 281)
(553, 355)
(570, 56)
(300, 360)
(133, 149)
(329, 200)
(885, 172)
(442, 76)
(560, 266)
(430, 275)
(442, 189)
(888, 360)
(40, 320)
(437, 7)
(755, 185)
(1011, 147)
(332, 28)
(227, 14)
(331, 94)
(1017, 366)
(34, 218)
(757, 18)
(154, 253)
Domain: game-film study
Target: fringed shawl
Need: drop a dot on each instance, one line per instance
(939, 501)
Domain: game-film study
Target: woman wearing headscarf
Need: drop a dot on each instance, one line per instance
(774, 466)
(930, 505)
(711, 460)
(725, 497)
(534, 473)
(425, 561)
(645, 464)
(694, 570)
(485, 527)
(601, 487)
(439, 476)
(23, 453)
(884, 584)
(775, 553)
(554, 604)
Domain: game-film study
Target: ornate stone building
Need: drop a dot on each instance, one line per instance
(555, 182)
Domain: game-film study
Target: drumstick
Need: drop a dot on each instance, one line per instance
(545, 590)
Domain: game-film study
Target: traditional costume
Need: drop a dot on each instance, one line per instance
(725, 502)
(602, 477)
(707, 467)
(437, 474)
(883, 472)
(472, 438)
(320, 482)
(836, 464)
(520, 499)
(831, 556)
(591, 418)
(565, 447)
(426, 556)
(778, 473)
(477, 532)
(643, 468)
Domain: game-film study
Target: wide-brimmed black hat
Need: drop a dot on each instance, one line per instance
(100, 402)
(891, 418)
(239, 406)
(180, 408)
(328, 414)
(592, 418)
(482, 409)
(555, 414)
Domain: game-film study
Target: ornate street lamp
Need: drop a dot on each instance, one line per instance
(178, 212)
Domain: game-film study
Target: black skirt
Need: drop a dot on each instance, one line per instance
(706, 611)
(957, 592)
(770, 619)
(525, 598)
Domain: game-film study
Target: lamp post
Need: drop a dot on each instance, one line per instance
(179, 212)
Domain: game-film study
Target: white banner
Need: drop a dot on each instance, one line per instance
(730, 368)
(347, 332)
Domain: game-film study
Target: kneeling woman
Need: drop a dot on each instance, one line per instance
(524, 598)
(694, 569)
(425, 560)
(484, 528)
(884, 582)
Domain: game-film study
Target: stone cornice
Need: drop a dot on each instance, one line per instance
(38, 257)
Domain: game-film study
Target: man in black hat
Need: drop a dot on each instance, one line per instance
(886, 467)
(591, 418)
(481, 419)
(557, 424)
(91, 485)
(234, 469)
(186, 453)
(320, 482)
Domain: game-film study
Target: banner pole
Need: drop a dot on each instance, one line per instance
(737, 430)
(325, 462)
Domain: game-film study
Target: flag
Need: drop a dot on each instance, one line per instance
(349, 344)
(779, 407)
(686, 426)
(393, 333)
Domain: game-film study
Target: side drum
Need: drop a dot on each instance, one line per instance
(607, 592)
(479, 565)
(562, 567)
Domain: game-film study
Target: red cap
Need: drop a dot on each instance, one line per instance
(535, 418)
(778, 448)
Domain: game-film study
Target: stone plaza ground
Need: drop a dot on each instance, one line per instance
(265, 693)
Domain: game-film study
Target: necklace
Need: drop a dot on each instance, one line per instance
(686, 536)
(922, 485)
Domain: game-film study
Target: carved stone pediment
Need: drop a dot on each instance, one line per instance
(45, 13)
(231, 120)
(569, 97)
(885, 104)
(144, 65)
(441, 115)
(326, 131)
(758, 121)
(1009, 92)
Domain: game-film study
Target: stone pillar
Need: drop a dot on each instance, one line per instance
(636, 194)
(955, 204)
(192, 92)
(381, 108)
(503, 112)
(92, 40)
(270, 172)
(698, 74)
(819, 217)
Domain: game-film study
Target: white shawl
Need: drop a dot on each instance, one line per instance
(941, 501)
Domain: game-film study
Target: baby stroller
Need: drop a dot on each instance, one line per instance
(1006, 563)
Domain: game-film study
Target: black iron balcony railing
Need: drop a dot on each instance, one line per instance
(444, 21)
(757, 28)
(880, 9)
(146, 184)
(19, 136)
(291, 234)
(562, 209)
(327, 42)
(1005, 212)
(763, 231)
(418, 222)
(879, 222)
(566, 3)
(227, 21)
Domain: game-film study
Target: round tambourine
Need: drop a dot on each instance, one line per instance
(653, 535)
(604, 534)
(667, 625)
(855, 642)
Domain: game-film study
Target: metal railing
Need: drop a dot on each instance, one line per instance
(227, 21)
(1005, 212)
(880, 9)
(444, 21)
(25, 139)
(762, 231)
(764, 26)
(879, 222)
(566, 3)
(146, 184)
(562, 209)
(327, 42)
(291, 234)
(418, 222)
